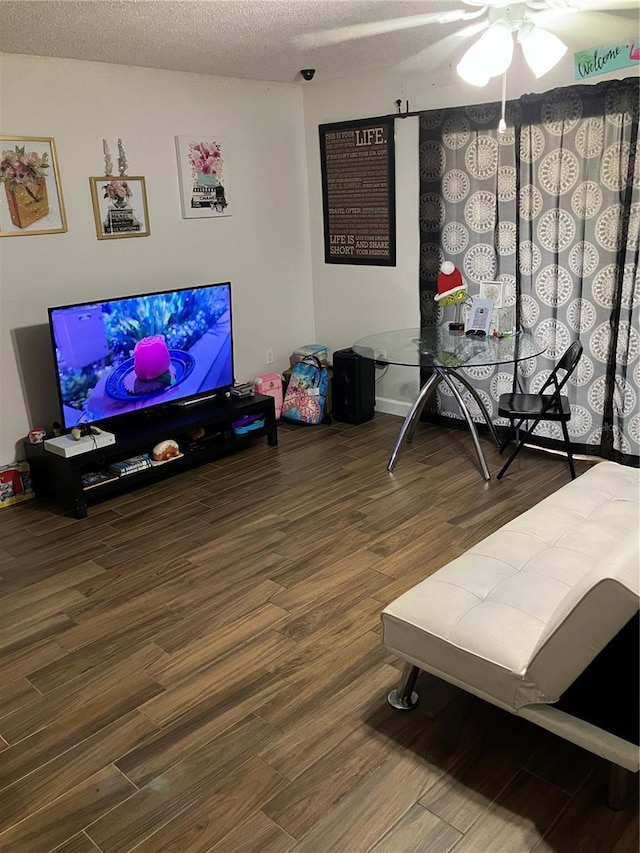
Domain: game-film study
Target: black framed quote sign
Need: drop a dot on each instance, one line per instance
(358, 192)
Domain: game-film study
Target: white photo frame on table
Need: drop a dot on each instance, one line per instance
(493, 290)
(203, 172)
(480, 316)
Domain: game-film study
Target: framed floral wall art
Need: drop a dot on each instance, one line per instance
(31, 201)
(204, 177)
(493, 290)
(120, 207)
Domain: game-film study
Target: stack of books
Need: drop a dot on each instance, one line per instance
(91, 479)
(130, 466)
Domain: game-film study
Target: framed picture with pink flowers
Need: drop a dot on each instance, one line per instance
(204, 176)
(120, 207)
(31, 196)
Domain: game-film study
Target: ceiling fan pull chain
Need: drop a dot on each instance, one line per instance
(502, 124)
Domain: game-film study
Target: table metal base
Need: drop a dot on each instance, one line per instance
(443, 374)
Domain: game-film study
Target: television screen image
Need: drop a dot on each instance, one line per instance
(123, 355)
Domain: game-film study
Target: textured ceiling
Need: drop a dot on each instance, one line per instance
(253, 39)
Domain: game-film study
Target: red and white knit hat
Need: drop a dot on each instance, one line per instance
(449, 281)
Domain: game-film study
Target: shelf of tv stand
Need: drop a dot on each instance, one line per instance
(60, 477)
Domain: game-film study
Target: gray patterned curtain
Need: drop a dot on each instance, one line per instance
(552, 209)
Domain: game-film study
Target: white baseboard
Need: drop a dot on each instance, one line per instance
(392, 407)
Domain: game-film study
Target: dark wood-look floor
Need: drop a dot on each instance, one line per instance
(197, 666)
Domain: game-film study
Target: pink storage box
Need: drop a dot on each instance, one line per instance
(270, 384)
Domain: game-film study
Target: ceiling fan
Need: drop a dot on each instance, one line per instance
(538, 26)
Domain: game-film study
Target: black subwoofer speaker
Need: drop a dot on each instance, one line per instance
(354, 387)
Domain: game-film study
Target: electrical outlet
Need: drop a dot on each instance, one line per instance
(269, 356)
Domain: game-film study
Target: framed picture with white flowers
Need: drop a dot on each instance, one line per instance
(31, 201)
(493, 290)
(204, 176)
(120, 207)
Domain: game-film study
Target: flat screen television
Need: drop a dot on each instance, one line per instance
(121, 356)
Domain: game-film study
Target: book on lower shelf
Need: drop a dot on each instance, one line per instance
(91, 479)
(131, 465)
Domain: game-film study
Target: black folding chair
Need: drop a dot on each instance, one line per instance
(541, 407)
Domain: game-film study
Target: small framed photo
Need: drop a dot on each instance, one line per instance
(493, 290)
(204, 177)
(31, 201)
(120, 207)
(479, 317)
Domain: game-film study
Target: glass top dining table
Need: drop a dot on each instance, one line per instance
(444, 354)
(422, 347)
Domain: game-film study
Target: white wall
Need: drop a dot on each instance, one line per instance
(271, 248)
(353, 301)
(263, 248)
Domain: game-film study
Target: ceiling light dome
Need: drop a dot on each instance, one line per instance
(489, 57)
(472, 68)
(542, 50)
(497, 45)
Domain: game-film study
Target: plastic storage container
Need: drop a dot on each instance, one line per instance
(270, 384)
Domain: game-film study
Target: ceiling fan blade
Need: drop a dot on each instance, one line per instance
(442, 56)
(374, 28)
(468, 31)
(588, 29)
(432, 57)
(494, 3)
(445, 52)
(604, 5)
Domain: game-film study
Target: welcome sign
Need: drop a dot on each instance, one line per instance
(599, 60)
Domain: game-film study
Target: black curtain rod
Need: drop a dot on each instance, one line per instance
(399, 114)
(392, 115)
(406, 113)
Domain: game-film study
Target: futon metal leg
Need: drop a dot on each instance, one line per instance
(618, 785)
(403, 697)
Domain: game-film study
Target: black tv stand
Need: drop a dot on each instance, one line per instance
(61, 477)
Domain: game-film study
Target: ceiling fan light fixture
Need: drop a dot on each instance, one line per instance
(472, 68)
(489, 57)
(542, 50)
(497, 47)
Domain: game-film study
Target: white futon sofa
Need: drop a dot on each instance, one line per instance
(518, 618)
